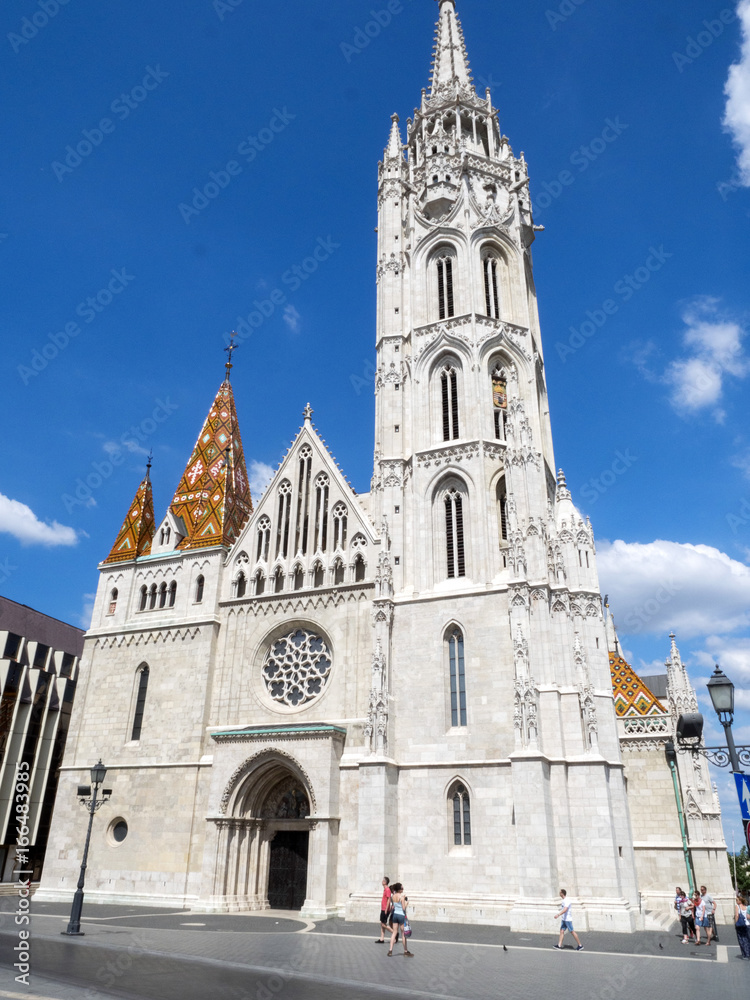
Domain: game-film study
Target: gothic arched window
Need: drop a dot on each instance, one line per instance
(500, 402)
(321, 512)
(359, 569)
(264, 539)
(461, 810)
(457, 677)
(240, 585)
(490, 272)
(140, 702)
(318, 575)
(454, 534)
(299, 578)
(260, 582)
(172, 593)
(338, 572)
(444, 265)
(152, 597)
(199, 585)
(339, 526)
(144, 599)
(449, 401)
(282, 528)
(303, 500)
(278, 581)
(162, 595)
(502, 509)
(113, 601)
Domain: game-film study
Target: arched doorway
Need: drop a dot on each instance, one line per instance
(287, 808)
(262, 840)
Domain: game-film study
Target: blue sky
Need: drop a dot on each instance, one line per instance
(640, 163)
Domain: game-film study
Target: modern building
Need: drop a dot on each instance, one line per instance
(38, 672)
(298, 696)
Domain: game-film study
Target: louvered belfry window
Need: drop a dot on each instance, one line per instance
(491, 296)
(449, 400)
(454, 534)
(444, 266)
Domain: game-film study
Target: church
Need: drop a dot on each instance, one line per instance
(297, 695)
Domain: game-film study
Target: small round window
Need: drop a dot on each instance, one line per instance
(296, 668)
(118, 831)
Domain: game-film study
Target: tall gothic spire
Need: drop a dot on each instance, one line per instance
(213, 498)
(450, 67)
(394, 149)
(137, 531)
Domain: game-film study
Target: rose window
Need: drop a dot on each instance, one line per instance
(296, 668)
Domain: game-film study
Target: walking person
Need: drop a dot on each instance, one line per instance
(385, 905)
(566, 912)
(398, 914)
(699, 916)
(710, 902)
(685, 911)
(742, 926)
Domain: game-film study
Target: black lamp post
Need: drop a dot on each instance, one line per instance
(98, 773)
(690, 727)
(721, 690)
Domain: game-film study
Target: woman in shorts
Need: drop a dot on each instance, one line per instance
(398, 916)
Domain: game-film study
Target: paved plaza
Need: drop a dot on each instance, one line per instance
(151, 954)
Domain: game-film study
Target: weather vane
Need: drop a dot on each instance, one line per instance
(230, 349)
(149, 463)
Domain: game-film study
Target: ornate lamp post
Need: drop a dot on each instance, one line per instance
(98, 773)
(690, 727)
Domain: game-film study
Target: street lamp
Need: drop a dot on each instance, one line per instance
(98, 773)
(721, 690)
(690, 727)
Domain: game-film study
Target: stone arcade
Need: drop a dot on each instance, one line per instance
(298, 697)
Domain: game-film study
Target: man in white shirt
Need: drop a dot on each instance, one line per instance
(566, 912)
(708, 918)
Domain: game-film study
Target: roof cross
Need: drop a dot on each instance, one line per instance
(230, 349)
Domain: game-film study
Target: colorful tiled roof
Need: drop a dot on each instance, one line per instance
(213, 498)
(632, 697)
(137, 531)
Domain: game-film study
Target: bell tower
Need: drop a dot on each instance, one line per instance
(460, 371)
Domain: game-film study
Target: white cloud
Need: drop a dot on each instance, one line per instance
(742, 462)
(19, 520)
(715, 345)
(129, 444)
(737, 90)
(733, 655)
(292, 318)
(260, 475)
(664, 586)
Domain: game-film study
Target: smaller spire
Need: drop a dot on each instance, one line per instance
(230, 349)
(451, 63)
(394, 148)
(137, 532)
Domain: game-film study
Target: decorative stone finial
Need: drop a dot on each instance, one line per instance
(307, 413)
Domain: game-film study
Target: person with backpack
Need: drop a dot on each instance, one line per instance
(742, 926)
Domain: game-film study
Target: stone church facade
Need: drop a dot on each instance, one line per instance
(296, 697)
